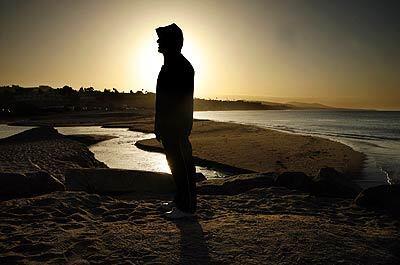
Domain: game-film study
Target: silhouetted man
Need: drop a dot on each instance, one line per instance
(174, 118)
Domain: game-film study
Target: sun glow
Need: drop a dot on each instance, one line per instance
(147, 62)
(194, 54)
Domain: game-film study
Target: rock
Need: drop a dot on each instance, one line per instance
(200, 177)
(236, 184)
(294, 180)
(27, 184)
(332, 183)
(211, 187)
(385, 198)
(107, 181)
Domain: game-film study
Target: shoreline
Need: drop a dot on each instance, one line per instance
(242, 219)
(214, 132)
(363, 165)
(372, 133)
(353, 164)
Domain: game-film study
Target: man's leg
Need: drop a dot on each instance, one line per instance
(180, 160)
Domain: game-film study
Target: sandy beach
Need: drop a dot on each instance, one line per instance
(274, 224)
(280, 121)
(264, 222)
(46, 150)
(233, 147)
(262, 150)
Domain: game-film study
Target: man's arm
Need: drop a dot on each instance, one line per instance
(186, 100)
(157, 109)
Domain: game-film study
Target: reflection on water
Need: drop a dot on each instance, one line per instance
(122, 153)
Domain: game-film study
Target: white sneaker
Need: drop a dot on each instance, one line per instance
(175, 213)
(167, 206)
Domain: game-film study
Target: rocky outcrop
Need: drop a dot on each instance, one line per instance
(328, 183)
(294, 180)
(118, 181)
(331, 183)
(384, 198)
(31, 183)
(199, 177)
(236, 184)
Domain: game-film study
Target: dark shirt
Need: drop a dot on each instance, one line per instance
(174, 99)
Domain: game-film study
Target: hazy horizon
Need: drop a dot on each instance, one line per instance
(279, 100)
(341, 54)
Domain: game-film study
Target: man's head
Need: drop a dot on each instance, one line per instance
(170, 39)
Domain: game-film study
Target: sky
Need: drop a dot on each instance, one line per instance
(340, 53)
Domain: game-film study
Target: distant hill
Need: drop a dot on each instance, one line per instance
(212, 105)
(302, 105)
(43, 99)
(16, 100)
(275, 104)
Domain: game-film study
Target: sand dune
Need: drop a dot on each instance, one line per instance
(44, 149)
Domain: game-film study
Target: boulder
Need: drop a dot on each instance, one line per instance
(236, 184)
(331, 183)
(199, 177)
(118, 181)
(385, 198)
(14, 185)
(294, 181)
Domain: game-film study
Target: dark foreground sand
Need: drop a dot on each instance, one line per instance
(262, 226)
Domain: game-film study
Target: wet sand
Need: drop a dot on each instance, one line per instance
(229, 146)
(263, 150)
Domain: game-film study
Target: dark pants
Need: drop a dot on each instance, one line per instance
(179, 156)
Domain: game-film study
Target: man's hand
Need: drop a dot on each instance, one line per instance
(156, 131)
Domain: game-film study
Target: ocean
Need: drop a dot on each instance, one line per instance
(374, 133)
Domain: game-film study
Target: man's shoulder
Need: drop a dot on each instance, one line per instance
(187, 66)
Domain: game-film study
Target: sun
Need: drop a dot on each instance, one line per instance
(147, 62)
